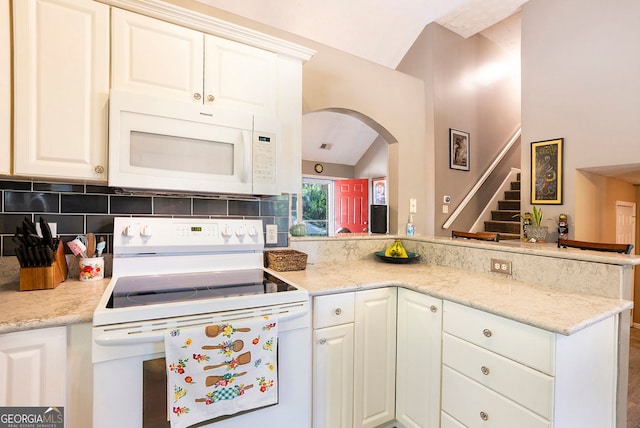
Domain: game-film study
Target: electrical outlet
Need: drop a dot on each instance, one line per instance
(272, 234)
(501, 266)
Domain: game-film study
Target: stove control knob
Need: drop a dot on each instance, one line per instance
(252, 231)
(226, 231)
(146, 231)
(130, 231)
(240, 231)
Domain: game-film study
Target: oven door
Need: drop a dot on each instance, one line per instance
(130, 377)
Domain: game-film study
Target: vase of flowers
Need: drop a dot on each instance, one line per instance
(536, 232)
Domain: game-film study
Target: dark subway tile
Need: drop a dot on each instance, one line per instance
(173, 206)
(279, 208)
(8, 246)
(244, 208)
(100, 224)
(58, 187)
(9, 222)
(84, 204)
(66, 224)
(30, 202)
(15, 185)
(105, 190)
(283, 223)
(209, 206)
(130, 205)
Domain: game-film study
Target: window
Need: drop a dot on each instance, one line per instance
(316, 202)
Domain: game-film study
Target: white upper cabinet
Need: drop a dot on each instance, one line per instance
(165, 59)
(5, 88)
(156, 57)
(61, 85)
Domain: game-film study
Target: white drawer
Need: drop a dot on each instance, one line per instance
(473, 405)
(523, 343)
(528, 387)
(447, 421)
(333, 309)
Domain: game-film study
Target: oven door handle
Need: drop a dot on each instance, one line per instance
(126, 338)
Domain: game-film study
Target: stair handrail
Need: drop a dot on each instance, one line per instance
(454, 215)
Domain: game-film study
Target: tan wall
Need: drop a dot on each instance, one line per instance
(459, 95)
(580, 82)
(330, 170)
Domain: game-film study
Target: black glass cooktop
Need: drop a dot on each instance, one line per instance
(168, 288)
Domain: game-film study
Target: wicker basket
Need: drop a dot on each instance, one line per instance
(286, 260)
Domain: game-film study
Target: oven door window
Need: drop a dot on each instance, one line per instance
(154, 394)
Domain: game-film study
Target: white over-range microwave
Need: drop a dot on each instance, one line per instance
(164, 145)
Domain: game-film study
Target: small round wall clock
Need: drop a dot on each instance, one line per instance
(318, 168)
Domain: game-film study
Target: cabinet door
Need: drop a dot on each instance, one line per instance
(61, 80)
(156, 57)
(240, 77)
(375, 357)
(419, 358)
(33, 368)
(333, 377)
(5, 88)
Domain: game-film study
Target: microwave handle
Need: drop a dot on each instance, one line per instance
(247, 170)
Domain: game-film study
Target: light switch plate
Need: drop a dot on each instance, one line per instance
(413, 206)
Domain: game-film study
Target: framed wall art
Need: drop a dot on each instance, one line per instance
(379, 186)
(459, 145)
(546, 172)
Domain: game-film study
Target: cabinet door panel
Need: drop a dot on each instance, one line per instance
(240, 77)
(156, 57)
(33, 368)
(333, 377)
(375, 353)
(419, 358)
(61, 88)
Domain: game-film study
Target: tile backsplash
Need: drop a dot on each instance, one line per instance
(82, 208)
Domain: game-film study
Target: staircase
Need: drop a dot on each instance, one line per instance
(503, 220)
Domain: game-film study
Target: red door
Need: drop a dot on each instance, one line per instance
(352, 205)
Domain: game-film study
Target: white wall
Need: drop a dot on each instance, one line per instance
(580, 82)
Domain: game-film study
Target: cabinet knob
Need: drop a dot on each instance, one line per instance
(99, 169)
(434, 308)
(211, 98)
(484, 416)
(338, 311)
(487, 332)
(484, 370)
(323, 341)
(197, 96)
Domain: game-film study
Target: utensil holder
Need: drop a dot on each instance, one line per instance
(45, 277)
(91, 268)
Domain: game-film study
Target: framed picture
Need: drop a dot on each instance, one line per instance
(379, 190)
(546, 172)
(459, 145)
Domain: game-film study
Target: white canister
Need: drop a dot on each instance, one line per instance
(91, 269)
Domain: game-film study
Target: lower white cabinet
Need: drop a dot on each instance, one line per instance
(354, 359)
(418, 359)
(375, 356)
(333, 318)
(502, 373)
(33, 367)
(5, 87)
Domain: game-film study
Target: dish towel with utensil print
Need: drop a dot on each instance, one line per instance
(221, 369)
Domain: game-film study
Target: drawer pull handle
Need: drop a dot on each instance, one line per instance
(434, 308)
(323, 341)
(484, 416)
(487, 332)
(338, 311)
(484, 370)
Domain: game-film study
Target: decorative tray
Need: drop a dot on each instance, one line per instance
(397, 260)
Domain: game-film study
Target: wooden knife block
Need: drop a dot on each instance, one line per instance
(45, 277)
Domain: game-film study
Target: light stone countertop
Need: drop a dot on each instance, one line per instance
(550, 309)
